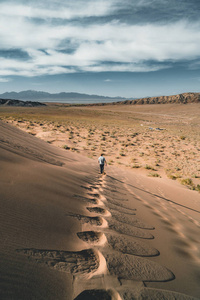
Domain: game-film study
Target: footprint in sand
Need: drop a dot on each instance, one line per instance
(130, 220)
(98, 210)
(128, 245)
(95, 195)
(88, 200)
(115, 208)
(96, 221)
(88, 188)
(130, 267)
(128, 229)
(77, 263)
(119, 204)
(118, 242)
(92, 237)
(96, 294)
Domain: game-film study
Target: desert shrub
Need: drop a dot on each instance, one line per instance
(122, 154)
(182, 137)
(147, 167)
(133, 135)
(187, 181)
(171, 176)
(195, 176)
(136, 166)
(154, 175)
(66, 147)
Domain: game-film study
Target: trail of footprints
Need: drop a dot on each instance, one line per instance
(114, 264)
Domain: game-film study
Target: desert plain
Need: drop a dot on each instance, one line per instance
(68, 232)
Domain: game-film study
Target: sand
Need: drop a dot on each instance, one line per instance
(68, 232)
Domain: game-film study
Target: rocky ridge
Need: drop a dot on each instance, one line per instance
(180, 98)
(13, 102)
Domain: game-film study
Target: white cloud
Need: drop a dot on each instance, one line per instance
(102, 47)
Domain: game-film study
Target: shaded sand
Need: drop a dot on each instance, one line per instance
(70, 233)
(95, 294)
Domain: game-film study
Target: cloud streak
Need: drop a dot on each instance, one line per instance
(47, 47)
(71, 10)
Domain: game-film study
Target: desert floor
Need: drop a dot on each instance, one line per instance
(155, 140)
(68, 232)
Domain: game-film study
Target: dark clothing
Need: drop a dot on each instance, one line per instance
(101, 168)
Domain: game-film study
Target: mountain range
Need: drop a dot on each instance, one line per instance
(32, 98)
(32, 95)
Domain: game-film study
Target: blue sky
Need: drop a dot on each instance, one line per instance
(129, 48)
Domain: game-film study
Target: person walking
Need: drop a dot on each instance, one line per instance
(102, 161)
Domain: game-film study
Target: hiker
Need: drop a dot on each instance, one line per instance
(102, 161)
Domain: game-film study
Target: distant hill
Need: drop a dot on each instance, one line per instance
(59, 97)
(13, 102)
(180, 98)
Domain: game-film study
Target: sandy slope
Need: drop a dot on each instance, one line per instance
(68, 233)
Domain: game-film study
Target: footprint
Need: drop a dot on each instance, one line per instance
(76, 263)
(130, 220)
(94, 195)
(98, 210)
(128, 245)
(87, 188)
(123, 210)
(117, 200)
(95, 295)
(128, 229)
(136, 268)
(118, 203)
(92, 237)
(88, 200)
(97, 221)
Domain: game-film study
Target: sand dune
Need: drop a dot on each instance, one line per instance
(69, 233)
